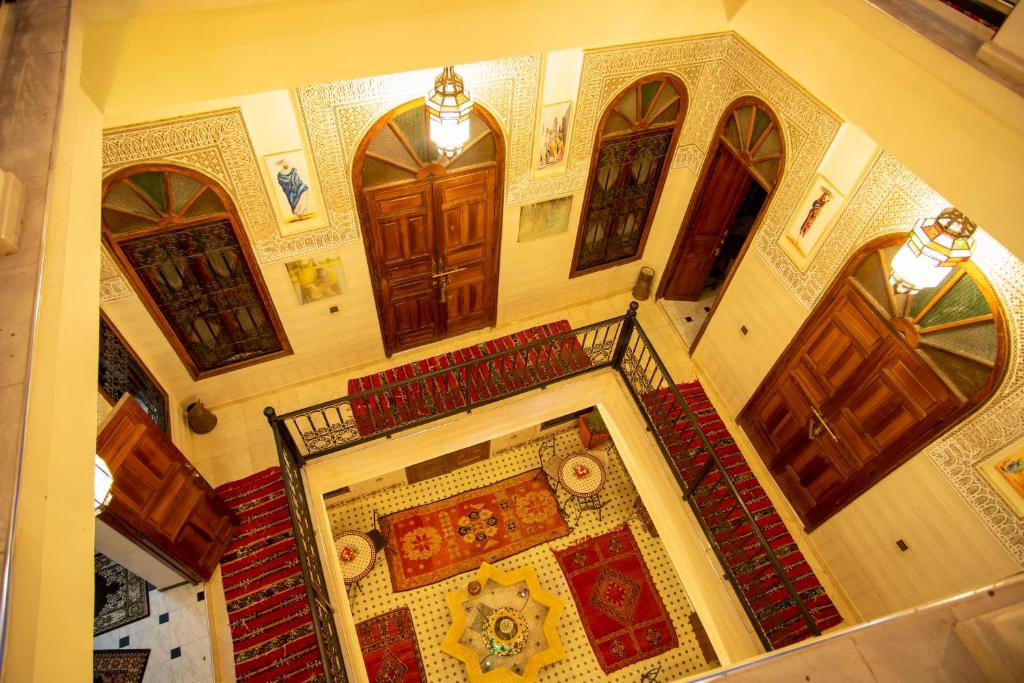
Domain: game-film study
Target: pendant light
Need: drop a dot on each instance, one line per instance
(449, 107)
(102, 481)
(932, 249)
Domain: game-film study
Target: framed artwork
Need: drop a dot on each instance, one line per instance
(317, 278)
(1006, 473)
(294, 191)
(814, 214)
(554, 134)
(545, 218)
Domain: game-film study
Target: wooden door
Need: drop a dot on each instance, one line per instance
(465, 231)
(158, 498)
(714, 214)
(403, 252)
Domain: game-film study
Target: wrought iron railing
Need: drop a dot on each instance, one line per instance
(620, 343)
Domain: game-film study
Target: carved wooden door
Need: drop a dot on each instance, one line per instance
(714, 214)
(432, 227)
(860, 390)
(158, 499)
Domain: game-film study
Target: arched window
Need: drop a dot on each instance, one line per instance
(178, 239)
(636, 138)
(751, 133)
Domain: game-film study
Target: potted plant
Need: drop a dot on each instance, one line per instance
(593, 431)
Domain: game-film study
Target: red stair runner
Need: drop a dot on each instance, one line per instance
(269, 615)
(757, 578)
(497, 372)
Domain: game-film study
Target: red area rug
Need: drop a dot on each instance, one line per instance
(621, 611)
(390, 651)
(494, 375)
(758, 580)
(431, 542)
(269, 615)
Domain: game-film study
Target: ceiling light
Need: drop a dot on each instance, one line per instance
(933, 248)
(102, 482)
(449, 106)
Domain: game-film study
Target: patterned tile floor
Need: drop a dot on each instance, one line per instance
(430, 612)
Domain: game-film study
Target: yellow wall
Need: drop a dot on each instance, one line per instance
(50, 628)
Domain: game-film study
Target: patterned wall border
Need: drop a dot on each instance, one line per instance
(889, 199)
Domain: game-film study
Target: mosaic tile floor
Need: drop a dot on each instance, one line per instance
(430, 613)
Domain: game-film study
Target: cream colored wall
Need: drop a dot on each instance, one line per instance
(50, 627)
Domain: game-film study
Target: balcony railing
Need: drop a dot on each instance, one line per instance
(619, 343)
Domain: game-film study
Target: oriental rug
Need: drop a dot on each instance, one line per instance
(432, 542)
(622, 613)
(390, 651)
(759, 583)
(119, 666)
(495, 372)
(119, 597)
(271, 626)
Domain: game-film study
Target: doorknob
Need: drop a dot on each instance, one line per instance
(814, 428)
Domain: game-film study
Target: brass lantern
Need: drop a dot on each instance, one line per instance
(932, 249)
(449, 107)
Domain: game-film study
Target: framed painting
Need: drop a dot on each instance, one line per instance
(1005, 471)
(294, 191)
(545, 218)
(820, 204)
(314, 279)
(554, 135)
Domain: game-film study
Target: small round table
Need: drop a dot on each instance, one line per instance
(363, 559)
(585, 490)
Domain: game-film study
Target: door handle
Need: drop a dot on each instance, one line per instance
(449, 272)
(815, 428)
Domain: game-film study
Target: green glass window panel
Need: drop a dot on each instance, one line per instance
(964, 300)
(870, 276)
(761, 123)
(480, 153)
(380, 173)
(731, 135)
(183, 188)
(616, 124)
(966, 375)
(386, 144)
(923, 298)
(770, 146)
(769, 170)
(123, 197)
(121, 223)
(207, 205)
(627, 105)
(647, 93)
(413, 124)
(152, 184)
(743, 117)
(979, 340)
(669, 115)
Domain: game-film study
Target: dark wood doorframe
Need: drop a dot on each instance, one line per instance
(428, 173)
(703, 183)
(903, 332)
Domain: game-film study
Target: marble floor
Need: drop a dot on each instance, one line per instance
(176, 632)
(688, 316)
(430, 612)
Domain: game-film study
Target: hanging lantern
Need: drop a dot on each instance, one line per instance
(933, 248)
(102, 482)
(449, 107)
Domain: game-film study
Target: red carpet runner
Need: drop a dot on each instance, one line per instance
(621, 611)
(266, 597)
(758, 580)
(494, 375)
(429, 543)
(390, 651)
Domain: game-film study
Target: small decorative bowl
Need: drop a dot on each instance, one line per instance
(581, 471)
(473, 587)
(347, 554)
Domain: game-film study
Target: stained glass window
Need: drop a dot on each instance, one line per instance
(751, 133)
(177, 237)
(637, 137)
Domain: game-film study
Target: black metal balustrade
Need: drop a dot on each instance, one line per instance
(744, 553)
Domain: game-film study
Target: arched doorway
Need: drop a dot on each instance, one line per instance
(740, 174)
(636, 138)
(872, 377)
(178, 239)
(431, 226)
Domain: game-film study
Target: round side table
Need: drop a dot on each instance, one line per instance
(585, 489)
(363, 557)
